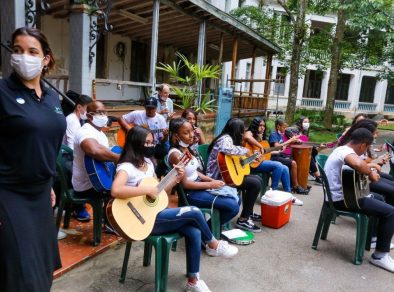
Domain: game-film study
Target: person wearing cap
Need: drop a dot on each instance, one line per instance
(150, 119)
(165, 106)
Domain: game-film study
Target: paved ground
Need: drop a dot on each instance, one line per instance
(279, 260)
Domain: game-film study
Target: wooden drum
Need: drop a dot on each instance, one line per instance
(302, 155)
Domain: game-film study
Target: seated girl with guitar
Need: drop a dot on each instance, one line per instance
(276, 139)
(255, 139)
(135, 166)
(196, 184)
(229, 143)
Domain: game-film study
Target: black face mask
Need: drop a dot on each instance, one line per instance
(149, 151)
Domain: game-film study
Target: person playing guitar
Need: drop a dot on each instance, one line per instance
(254, 135)
(196, 184)
(134, 166)
(152, 120)
(229, 143)
(372, 205)
(90, 140)
(276, 138)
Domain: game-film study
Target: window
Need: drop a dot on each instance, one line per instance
(241, 3)
(390, 92)
(342, 87)
(312, 85)
(139, 66)
(367, 91)
(247, 75)
(280, 81)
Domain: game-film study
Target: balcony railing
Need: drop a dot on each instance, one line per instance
(342, 105)
(312, 102)
(366, 106)
(388, 108)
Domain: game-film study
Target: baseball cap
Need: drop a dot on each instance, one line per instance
(151, 102)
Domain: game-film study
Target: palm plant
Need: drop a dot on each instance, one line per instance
(186, 87)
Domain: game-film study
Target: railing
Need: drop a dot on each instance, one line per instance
(366, 106)
(342, 105)
(317, 54)
(311, 102)
(388, 108)
(59, 81)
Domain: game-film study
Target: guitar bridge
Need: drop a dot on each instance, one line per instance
(136, 213)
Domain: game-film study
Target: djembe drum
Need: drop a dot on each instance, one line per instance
(302, 155)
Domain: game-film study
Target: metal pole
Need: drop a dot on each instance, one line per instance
(200, 56)
(154, 44)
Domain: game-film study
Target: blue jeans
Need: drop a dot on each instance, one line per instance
(227, 206)
(190, 222)
(279, 172)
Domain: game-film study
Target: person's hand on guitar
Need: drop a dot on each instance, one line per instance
(151, 191)
(215, 184)
(374, 175)
(376, 166)
(180, 173)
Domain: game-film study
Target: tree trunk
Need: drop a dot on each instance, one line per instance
(298, 40)
(335, 64)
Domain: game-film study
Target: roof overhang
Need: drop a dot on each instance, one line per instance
(179, 23)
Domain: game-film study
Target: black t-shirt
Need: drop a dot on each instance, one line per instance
(31, 132)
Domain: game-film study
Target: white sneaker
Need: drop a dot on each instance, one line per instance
(222, 250)
(373, 245)
(385, 262)
(199, 286)
(297, 202)
(61, 235)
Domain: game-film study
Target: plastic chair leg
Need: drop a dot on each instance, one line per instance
(168, 243)
(67, 215)
(147, 254)
(215, 223)
(97, 222)
(326, 224)
(59, 215)
(371, 227)
(361, 236)
(319, 228)
(125, 262)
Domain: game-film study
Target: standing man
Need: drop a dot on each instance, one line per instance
(165, 106)
(90, 140)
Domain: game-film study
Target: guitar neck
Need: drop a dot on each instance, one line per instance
(167, 180)
(249, 159)
(268, 150)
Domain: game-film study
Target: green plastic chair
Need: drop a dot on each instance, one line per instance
(203, 152)
(67, 198)
(328, 211)
(162, 245)
(182, 201)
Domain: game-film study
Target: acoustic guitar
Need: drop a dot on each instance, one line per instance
(101, 174)
(233, 168)
(133, 218)
(121, 134)
(355, 185)
(265, 156)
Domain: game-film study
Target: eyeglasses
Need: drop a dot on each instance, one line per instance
(149, 144)
(104, 113)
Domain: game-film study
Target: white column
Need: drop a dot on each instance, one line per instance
(324, 87)
(380, 95)
(154, 44)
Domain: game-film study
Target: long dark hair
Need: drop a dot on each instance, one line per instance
(134, 145)
(188, 111)
(234, 128)
(357, 116)
(254, 127)
(366, 124)
(38, 35)
(300, 127)
(175, 125)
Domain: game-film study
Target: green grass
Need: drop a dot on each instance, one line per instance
(389, 127)
(322, 136)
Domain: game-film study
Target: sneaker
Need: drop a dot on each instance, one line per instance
(61, 235)
(255, 217)
(385, 262)
(247, 225)
(299, 190)
(297, 202)
(199, 286)
(373, 245)
(222, 250)
(82, 215)
(318, 180)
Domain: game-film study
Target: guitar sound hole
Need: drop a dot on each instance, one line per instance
(150, 200)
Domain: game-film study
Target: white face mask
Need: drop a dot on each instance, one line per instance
(83, 116)
(100, 121)
(28, 67)
(305, 126)
(183, 144)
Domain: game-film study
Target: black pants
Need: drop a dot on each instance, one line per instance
(251, 186)
(383, 212)
(384, 187)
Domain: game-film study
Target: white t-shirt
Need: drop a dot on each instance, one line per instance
(155, 123)
(166, 105)
(135, 175)
(73, 125)
(191, 168)
(80, 179)
(333, 168)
